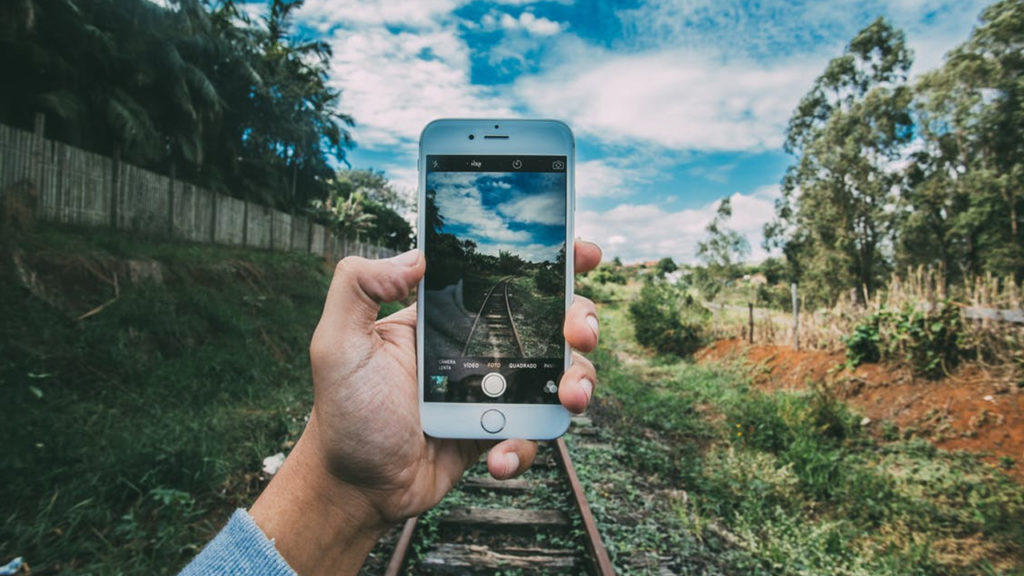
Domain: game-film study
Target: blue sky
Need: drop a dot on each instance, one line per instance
(522, 213)
(675, 104)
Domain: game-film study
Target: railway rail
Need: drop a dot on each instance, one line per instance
(494, 332)
(487, 539)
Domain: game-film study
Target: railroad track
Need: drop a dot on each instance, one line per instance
(540, 524)
(494, 333)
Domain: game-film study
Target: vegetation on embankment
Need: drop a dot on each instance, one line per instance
(131, 433)
(704, 474)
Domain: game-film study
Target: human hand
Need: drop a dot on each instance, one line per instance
(363, 462)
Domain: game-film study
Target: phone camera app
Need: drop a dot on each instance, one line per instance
(494, 291)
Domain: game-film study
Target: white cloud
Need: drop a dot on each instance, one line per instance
(601, 178)
(529, 23)
(683, 100)
(640, 232)
(326, 14)
(547, 209)
(461, 205)
(399, 65)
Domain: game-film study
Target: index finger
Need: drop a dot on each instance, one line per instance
(587, 256)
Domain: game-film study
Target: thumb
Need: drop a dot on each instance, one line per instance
(360, 285)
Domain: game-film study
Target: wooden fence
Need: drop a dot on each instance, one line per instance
(73, 186)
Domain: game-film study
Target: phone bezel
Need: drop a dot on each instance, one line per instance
(526, 137)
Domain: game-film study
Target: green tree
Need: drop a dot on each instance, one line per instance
(666, 266)
(962, 206)
(195, 87)
(833, 219)
(722, 251)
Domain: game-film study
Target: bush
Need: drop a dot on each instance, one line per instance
(666, 320)
(927, 342)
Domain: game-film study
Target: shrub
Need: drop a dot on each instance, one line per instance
(928, 342)
(666, 320)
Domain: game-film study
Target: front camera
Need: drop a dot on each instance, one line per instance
(471, 136)
(495, 126)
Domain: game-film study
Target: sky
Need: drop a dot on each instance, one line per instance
(674, 104)
(522, 213)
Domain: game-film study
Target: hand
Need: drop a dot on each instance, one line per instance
(363, 462)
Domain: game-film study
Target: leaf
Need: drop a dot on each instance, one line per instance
(38, 393)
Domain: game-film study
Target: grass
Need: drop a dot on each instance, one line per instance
(130, 435)
(708, 475)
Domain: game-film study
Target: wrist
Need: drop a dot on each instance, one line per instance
(319, 524)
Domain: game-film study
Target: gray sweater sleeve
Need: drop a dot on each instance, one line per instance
(239, 549)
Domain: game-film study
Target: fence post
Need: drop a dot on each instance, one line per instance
(213, 217)
(245, 222)
(796, 317)
(273, 221)
(38, 146)
(170, 202)
(115, 179)
(750, 322)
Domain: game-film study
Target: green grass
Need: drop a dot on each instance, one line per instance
(709, 475)
(130, 435)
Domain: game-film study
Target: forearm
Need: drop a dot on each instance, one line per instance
(318, 524)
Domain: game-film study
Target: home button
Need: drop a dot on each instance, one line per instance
(492, 421)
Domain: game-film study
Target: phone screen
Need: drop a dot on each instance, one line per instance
(494, 290)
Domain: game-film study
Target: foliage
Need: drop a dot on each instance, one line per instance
(846, 132)
(149, 419)
(859, 201)
(601, 284)
(666, 320)
(744, 481)
(666, 266)
(930, 343)
(962, 205)
(193, 87)
(722, 250)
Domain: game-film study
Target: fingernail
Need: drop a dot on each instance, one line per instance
(511, 464)
(588, 387)
(407, 258)
(592, 322)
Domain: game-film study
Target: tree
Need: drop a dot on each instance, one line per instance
(833, 219)
(666, 266)
(192, 86)
(962, 206)
(375, 187)
(722, 251)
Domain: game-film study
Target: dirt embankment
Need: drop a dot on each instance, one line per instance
(968, 410)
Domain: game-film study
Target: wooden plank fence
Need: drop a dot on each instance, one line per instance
(78, 187)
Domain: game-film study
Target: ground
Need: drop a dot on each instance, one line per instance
(967, 410)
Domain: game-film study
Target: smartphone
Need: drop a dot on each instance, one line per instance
(496, 209)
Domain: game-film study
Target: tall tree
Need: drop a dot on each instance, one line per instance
(722, 250)
(833, 218)
(963, 204)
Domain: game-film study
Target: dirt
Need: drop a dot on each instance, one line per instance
(971, 409)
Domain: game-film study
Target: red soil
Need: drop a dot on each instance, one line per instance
(969, 410)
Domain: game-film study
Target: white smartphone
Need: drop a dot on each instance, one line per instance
(496, 209)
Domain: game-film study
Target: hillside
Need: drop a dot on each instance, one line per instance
(143, 382)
